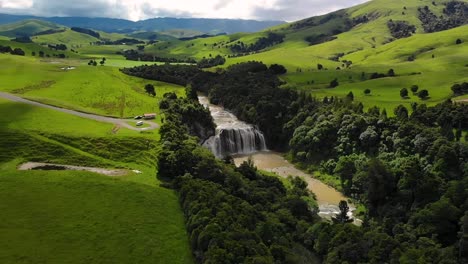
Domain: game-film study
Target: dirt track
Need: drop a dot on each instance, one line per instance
(116, 121)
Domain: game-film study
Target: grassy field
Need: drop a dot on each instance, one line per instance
(80, 217)
(103, 90)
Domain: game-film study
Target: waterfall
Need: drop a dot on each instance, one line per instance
(233, 141)
(232, 135)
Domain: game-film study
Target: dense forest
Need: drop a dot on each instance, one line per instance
(410, 171)
(233, 215)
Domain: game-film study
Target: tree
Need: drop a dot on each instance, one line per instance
(149, 88)
(33, 53)
(334, 83)
(414, 88)
(18, 51)
(277, 69)
(350, 96)
(343, 217)
(401, 112)
(391, 73)
(404, 93)
(458, 41)
(319, 66)
(423, 94)
(367, 91)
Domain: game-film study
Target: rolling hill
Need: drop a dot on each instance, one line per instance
(352, 44)
(28, 27)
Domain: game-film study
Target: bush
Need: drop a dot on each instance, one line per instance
(367, 91)
(404, 93)
(423, 94)
(334, 83)
(277, 69)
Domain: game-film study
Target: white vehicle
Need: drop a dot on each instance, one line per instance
(139, 123)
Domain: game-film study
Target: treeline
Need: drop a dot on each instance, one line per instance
(8, 49)
(86, 31)
(137, 56)
(233, 215)
(455, 15)
(211, 62)
(262, 43)
(176, 74)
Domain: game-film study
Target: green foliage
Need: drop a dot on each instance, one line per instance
(211, 62)
(334, 83)
(404, 93)
(423, 94)
(233, 215)
(149, 89)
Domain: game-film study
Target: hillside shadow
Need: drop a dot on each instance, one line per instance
(11, 112)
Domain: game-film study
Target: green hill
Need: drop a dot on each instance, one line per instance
(416, 38)
(28, 27)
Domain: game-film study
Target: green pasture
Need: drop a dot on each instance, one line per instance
(70, 38)
(102, 90)
(82, 217)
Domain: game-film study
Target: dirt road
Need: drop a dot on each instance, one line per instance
(116, 121)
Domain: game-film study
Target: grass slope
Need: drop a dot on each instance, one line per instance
(27, 27)
(102, 90)
(69, 37)
(80, 217)
(369, 46)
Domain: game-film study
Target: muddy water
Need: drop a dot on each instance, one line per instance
(327, 197)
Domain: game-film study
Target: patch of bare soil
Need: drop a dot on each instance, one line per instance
(55, 167)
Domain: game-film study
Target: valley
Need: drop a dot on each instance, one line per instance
(264, 140)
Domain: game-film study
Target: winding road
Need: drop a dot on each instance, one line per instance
(115, 121)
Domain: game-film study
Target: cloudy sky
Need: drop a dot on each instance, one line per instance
(288, 10)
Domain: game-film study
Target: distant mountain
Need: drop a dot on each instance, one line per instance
(112, 25)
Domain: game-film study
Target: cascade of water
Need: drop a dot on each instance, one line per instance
(232, 135)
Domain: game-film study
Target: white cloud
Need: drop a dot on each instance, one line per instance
(16, 4)
(143, 9)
